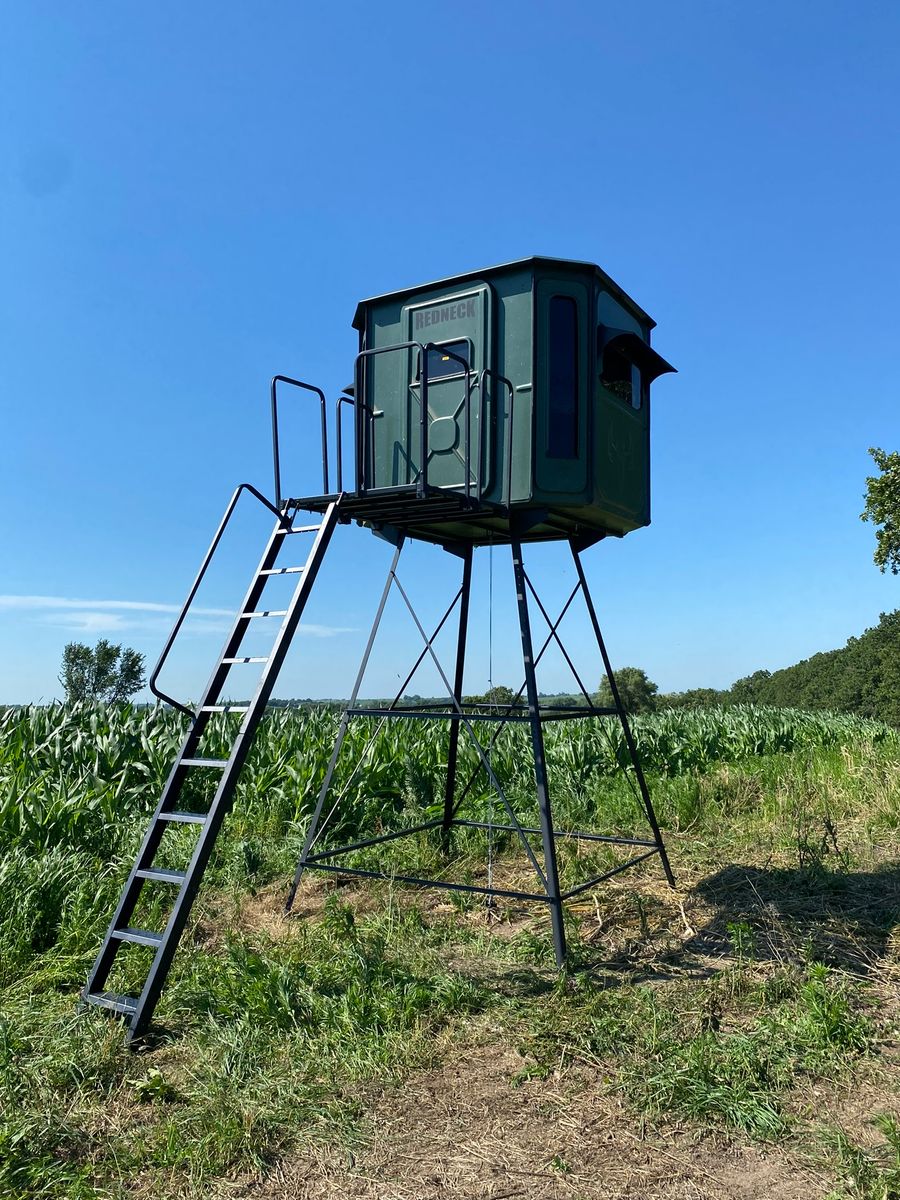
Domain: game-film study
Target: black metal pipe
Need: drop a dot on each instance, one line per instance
(339, 439)
(623, 718)
(467, 398)
(447, 885)
(213, 546)
(558, 640)
(551, 870)
(632, 862)
(479, 749)
(422, 488)
(307, 387)
(362, 410)
(453, 749)
(425, 713)
(511, 707)
(487, 372)
(575, 834)
(373, 841)
(312, 831)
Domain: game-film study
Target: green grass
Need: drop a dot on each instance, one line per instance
(866, 1173)
(271, 1035)
(729, 1061)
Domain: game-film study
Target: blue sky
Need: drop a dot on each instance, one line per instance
(194, 196)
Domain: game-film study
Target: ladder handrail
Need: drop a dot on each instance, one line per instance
(339, 446)
(360, 404)
(276, 458)
(176, 628)
(467, 410)
(486, 371)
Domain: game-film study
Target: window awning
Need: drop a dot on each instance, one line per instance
(635, 349)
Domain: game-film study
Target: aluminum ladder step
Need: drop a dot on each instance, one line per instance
(162, 874)
(140, 937)
(138, 1012)
(125, 1006)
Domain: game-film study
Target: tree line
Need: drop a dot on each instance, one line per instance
(862, 677)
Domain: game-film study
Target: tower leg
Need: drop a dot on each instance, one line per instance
(623, 718)
(453, 751)
(342, 731)
(551, 870)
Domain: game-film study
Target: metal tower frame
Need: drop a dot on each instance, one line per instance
(467, 714)
(418, 511)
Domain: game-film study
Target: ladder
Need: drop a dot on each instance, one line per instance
(138, 1010)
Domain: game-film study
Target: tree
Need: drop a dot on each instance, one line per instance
(637, 692)
(702, 697)
(883, 508)
(750, 689)
(105, 673)
(499, 694)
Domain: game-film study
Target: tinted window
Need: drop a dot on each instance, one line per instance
(440, 364)
(562, 346)
(621, 377)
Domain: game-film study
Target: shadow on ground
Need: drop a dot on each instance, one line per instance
(847, 919)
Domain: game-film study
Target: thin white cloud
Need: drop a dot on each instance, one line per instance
(87, 622)
(45, 602)
(117, 616)
(323, 631)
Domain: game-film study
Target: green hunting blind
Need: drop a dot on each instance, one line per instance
(559, 365)
(498, 407)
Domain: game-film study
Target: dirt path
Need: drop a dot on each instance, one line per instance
(465, 1132)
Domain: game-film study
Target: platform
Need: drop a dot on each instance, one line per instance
(447, 517)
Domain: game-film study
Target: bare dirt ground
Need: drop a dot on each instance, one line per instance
(465, 1132)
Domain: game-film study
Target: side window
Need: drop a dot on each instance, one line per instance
(621, 377)
(562, 349)
(441, 365)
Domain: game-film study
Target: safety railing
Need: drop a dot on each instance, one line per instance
(365, 446)
(276, 457)
(213, 546)
(364, 465)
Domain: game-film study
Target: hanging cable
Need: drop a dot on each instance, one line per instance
(490, 811)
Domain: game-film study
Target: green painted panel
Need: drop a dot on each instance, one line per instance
(579, 445)
(461, 320)
(515, 329)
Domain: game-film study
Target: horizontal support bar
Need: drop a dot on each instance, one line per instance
(576, 834)
(520, 716)
(632, 862)
(123, 1005)
(374, 841)
(312, 865)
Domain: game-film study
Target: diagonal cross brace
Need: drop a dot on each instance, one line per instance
(391, 708)
(512, 707)
(485, 762)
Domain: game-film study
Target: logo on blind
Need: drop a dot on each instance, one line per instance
(445, 312)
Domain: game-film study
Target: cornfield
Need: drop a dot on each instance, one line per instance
(73, 775)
